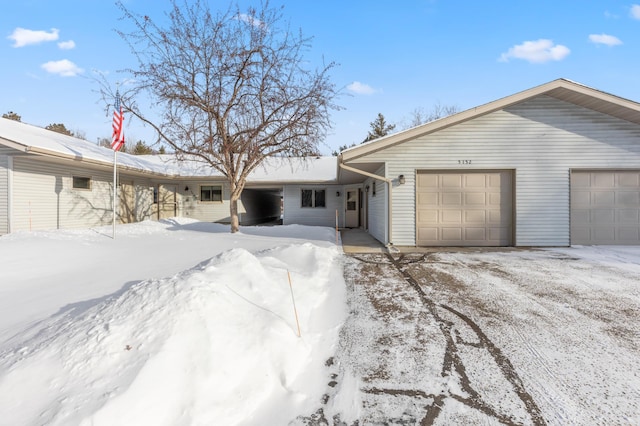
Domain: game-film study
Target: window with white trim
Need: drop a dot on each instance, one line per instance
(314, 198)
(211, 193)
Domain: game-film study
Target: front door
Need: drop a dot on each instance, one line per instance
(352, 211)
(167, 202)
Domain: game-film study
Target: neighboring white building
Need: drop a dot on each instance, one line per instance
(50, 181)
(555, 165)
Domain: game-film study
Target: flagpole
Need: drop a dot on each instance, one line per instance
(115, 191)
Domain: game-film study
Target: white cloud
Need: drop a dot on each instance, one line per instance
(251, 20)
(361, 88)
(67, 45)
(635, 11)
(609, 40)
(538, 51)
(64, 68)
(23, 37)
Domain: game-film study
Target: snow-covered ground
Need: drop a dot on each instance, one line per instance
(182, 323)
(172, 323)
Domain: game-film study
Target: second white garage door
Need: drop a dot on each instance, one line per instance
(464, 208)
(605, 207)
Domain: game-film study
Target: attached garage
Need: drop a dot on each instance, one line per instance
(605, 207)
(464, 208)
(554, 165)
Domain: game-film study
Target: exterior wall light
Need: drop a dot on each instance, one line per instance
(337, 193)
(401, 179)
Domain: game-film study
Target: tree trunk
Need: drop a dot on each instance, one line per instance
(233, 209)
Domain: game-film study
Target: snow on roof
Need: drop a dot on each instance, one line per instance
(37, 140)
(272, 169)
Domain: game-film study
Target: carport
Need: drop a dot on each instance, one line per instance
(261, 205)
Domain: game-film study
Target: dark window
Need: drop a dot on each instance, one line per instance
(81, 182)
(155, 195)
(210, 193)
(307, 198)
(319, 198)
(313, 198)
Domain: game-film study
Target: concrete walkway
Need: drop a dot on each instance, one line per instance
(356, 240)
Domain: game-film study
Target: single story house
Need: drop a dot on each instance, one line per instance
(555, 165)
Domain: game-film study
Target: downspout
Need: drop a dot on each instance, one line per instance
(389, 186)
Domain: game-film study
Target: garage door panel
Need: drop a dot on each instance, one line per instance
(427, 181)
(476, 180)
(602, 217)
(478, 203)
(630, 235)
(495, 199)
(629, 180)
(475, 198)
(428, 234)
(475, 216)
(605, 207)
(427, 198)
(581, 198)
(604, 180)
(601, 198)
(425, 215)
(451, 181)
(496, 217)
(628, 199)
(475, 234)
(451, 234)
(451, 216)
(629, 216)
(451, 199)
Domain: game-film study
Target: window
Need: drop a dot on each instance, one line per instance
(209, 193)
(313, 198)
(155, 194)
(81, 182)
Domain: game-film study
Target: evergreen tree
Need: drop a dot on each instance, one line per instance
(379, 128)
(59, 128)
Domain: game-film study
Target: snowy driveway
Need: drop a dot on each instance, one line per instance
(492, 337)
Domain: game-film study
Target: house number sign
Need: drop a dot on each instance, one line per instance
(464, 161)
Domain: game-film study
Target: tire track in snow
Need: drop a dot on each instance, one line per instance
(452, 359)
(458, 348)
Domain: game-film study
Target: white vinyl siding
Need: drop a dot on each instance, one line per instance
(191, 205)
(4, 194)
(541, 139)
(377, 208)
(294, 213)
(44, 197)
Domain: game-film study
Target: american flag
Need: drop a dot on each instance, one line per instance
(118, 125)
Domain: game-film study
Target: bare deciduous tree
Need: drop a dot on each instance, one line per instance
(421, 116)
(231, 88)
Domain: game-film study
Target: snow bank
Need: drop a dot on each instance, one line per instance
(215, 344)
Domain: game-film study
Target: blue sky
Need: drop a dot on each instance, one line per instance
(393, 58)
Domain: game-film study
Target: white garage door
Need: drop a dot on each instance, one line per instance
(605, 207)
(464, 208)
